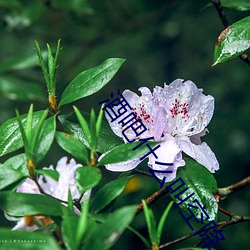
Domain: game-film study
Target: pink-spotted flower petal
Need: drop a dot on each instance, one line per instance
(176, 115)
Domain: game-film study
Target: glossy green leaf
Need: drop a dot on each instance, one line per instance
(46, 138)
(105, 235)
(107, 138)
(151, 223)
(53, 174)
(20, 204)
(87, 177)
(99, 122)
(84, 125)
(10, 136)
(19, 90)
(18, 162)
(233, 41)
(16, 240)
(241, 5)
(108, 193)
(9, 175)
(162, 221)
(69, 230)
(201, 182)
(73, 146)
(92, 127)
(125, 152)
(90, 81)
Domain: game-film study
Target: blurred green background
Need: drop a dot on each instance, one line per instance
(161, 41)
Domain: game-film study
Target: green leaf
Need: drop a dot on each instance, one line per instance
(69, 230)
(18, 162)
(143, 239)
(84, 125)
(90, 81)
(99, 122)
(92, 127)
(162, 221)
(82, 223)
(53, 174)
(201, 182)
(16, 240)
(87, 177)
(111, 229)
(125, 152)
(107, 139)
(108, 193)
(46, 138)
(233, 41)
(19, 63)
(73, 146)
(43, 65)
(19, 90)
(10, 136)
(20, 204)
(8, 176)
(151, 223)
(241, 5)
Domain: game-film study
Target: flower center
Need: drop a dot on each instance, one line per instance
(142, 114)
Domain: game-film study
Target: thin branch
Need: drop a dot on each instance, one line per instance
(234, 220)
(226, 23)
(152, 198)
(224, 211)
(224, 192)
(42, 192)
(142, 172)
(176, 241)
(222, 15)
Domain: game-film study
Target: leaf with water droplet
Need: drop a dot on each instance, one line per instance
(200, 181)
(233, 41)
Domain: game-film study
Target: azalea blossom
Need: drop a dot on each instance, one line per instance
(176, 115)
(58, 189)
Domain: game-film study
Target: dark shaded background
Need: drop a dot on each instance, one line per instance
(162, 41)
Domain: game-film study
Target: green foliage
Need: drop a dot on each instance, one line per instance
(10, 136)
(154, 231)
(108, 193)
(201, 182)
(46, 137)
(125, 152)
(87, 178)
(19, 90)
(90, 81)
(12, 174)
(19, 63)
(31, 136)
(110, 230)
(73, 146)
(31, 204)
(50, 70)
(107, 139)
(233, 41)
(146, 33)
(16, 240)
